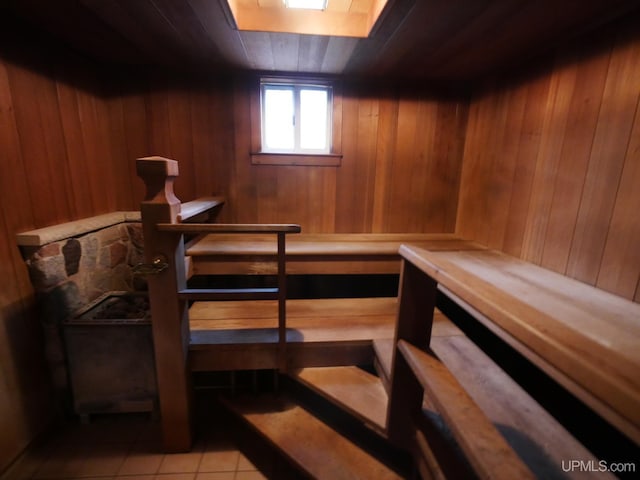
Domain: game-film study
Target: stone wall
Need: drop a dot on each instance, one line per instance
(70, 273)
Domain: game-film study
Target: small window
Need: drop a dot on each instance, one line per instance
(296, 117)
(296, 121)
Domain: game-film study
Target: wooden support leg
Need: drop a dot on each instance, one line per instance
(417, 301)
(169, 315)
(170, 335)
(282, 305)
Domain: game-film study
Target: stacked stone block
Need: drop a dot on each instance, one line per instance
(71, 273)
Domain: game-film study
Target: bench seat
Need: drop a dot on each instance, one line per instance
(241, 335)
(586, 339)
(321, 253)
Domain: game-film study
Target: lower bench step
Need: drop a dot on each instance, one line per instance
(355, 390)
(313, 446)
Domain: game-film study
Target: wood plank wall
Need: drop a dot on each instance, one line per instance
(552, 165)
(70, 133)
(550, 172)
(58, 163)
(399, 173)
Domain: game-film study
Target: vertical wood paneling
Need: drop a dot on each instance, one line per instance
(47, 197)
(368, 118)
(348, 204)
(60, 162)
(500, 162)
(69, 150)
(553, 131)
(610, 144)
(505, 162)
(620, 268)
(445, 165)
(356, 176)
(574, 157)
(400, 167)
(525, 156)
(180, 135)
(94, 129)
(206, 154)
(424, 170)
(423, 153)
(15, 425)
(14, 185)
(122, 162)
(572, 207)
(76, 150)
(24, 394)
(135, 131)
(379, 186)
(157, 115)
(472, 213)
(400, 193)
(243, 186)
(385, 142)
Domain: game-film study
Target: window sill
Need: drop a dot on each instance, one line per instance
(299, 159)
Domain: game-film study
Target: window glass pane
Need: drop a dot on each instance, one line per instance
(278, 118)
(313, 119)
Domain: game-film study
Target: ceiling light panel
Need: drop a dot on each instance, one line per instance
(306, 4)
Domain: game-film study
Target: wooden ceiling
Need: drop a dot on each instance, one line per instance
(418, 40)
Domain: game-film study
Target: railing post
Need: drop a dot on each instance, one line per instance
(282, 304)
(170, 321)
(416, 305)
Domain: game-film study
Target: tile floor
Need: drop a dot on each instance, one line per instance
(127, 446)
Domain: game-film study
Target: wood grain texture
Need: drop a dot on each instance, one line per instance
(567, 192)
(207, 129)
(436, 41)
(610, 142)
(588, 335)
(357, 391)
(518, 417)
(320, 332)
(485, 448)
(70, 130)
(568, 183)
(621, 258)
(368, 192)
(170, 328)
(313, 253)
(312, 445)
(58, 165)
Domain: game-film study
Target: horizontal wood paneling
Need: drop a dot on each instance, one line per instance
(550, 161)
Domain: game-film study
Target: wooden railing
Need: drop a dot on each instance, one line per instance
(278, 293)
(418, 376)
(582, 337)
(163, 218)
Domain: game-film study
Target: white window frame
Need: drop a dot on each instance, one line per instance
(259, 156)
(296, 86)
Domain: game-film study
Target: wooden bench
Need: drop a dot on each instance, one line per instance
(314, 253)
(586, 339)
(231, 335)
(234, 335)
